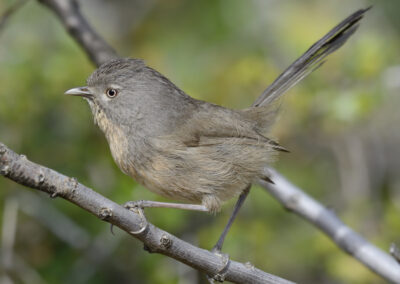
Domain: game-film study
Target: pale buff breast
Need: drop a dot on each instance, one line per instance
(152, 176)
(159, 175)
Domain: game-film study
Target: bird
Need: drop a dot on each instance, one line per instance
(187, 149)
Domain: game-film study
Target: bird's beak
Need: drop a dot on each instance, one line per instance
(80, 91)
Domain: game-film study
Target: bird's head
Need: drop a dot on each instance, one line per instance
(112, 89)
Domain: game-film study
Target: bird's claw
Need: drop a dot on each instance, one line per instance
(137, 207)
(138, 204)
(220, 275)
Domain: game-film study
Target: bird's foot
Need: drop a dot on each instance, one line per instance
(136, 204)
(137, 207)
(220, 275)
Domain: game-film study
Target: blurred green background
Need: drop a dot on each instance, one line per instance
(341, 125)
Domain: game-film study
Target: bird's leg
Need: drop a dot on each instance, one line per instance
(218, 246)
(148, 203)
(139, 205)
(220, 276)
(144, 223)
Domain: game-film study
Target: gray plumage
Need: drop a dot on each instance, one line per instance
(176, 146)
(186, 149)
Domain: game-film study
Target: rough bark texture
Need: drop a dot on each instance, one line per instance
(297, 201)
(19, 169)
(70, 16)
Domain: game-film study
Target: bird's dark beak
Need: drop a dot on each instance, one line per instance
(80, 91)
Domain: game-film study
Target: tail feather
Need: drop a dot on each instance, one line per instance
(312, 59)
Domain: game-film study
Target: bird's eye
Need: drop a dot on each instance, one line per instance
(111, 93)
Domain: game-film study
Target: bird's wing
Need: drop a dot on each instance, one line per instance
(214, 125)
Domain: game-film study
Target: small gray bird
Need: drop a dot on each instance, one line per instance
(176, 146)
(186, 149)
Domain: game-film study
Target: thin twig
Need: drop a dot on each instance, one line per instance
(19, 169)
(286, 193)
(70, 16)
(395, 252)
(297, 201)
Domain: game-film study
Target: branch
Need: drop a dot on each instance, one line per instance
(289, 195)
(297, 201)
(70, 16)
(19, 169)
(5, 17)
(395, 252)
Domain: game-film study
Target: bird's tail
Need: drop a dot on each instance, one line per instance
(312, 58)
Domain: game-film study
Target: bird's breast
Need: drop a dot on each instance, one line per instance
(117, 140)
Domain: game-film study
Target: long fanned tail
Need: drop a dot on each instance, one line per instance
(312, 58)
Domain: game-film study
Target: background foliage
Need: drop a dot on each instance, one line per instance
(340, 124)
